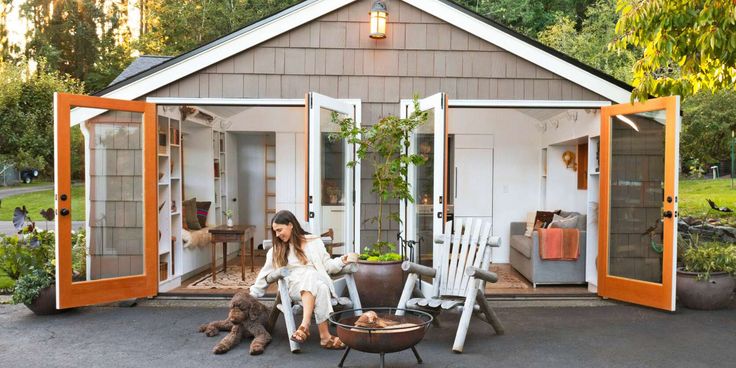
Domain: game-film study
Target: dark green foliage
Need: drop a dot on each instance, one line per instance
(707, 123)
(28, 286)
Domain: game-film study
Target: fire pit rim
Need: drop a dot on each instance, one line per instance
(424, 324)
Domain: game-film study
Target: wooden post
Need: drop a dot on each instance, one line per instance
(462, 327)
(490, 315)
(406, 293)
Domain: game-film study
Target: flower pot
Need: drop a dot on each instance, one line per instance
(379, 283)
(714, 293)
(45, 303)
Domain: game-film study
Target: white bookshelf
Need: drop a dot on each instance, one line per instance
(169, 200)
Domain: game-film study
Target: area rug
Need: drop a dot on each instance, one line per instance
(508, 278)
(226, 280)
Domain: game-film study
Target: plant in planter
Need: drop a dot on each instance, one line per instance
(28, 258)
(705, 279)
(385, 143)
(229, 216)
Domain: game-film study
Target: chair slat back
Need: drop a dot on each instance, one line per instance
(465, 247)
(482, 257)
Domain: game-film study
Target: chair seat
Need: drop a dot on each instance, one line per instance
(523, 244)
(341, 303)
(434, 303)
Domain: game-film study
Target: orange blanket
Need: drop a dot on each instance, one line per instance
(559, 244)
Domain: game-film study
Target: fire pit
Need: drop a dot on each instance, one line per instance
(403, 329)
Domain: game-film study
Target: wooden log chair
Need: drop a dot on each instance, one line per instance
(458, 282)
(343, 281)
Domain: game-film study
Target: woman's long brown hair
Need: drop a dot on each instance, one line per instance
(298, 236)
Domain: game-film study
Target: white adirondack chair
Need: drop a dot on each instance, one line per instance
(283, 303)
(458, 283)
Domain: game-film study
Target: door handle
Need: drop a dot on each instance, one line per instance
(64, 212)
(667, 214)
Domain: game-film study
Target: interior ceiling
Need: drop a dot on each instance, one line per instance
(542, 114)
(225, 112)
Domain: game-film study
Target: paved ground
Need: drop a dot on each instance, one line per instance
(611, 335)
(11, 191)
(7, 228)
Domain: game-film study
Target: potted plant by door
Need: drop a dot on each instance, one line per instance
(28, 258)
(705, 279)
(379, 278)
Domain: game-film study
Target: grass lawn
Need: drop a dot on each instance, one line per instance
(37, 201)
(693, 195)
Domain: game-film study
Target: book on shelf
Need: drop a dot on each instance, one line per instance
(217, 169)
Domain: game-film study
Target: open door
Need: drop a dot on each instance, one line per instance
(428, 214)
(333, 188)
(105, 184)
(639, 165)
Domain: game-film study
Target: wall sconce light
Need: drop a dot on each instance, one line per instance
(379, 16)
(568, 157)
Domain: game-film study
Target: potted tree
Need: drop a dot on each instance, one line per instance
(28, 258)
(705, 279)
(379, 277)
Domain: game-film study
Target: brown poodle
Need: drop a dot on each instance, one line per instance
(247, 317)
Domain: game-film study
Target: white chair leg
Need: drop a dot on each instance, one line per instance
(406, 293)
(353, 292)
(288, 315)
(462, 327)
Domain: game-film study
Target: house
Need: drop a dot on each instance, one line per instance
(515, 127)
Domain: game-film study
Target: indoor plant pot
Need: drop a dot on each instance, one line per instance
(712, 293)
(379, 283)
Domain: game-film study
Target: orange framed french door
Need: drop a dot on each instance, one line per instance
(639, 161)
(105, 185)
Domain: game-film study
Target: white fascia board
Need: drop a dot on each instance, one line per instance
(261, 33)
(528, 103)
(226, 101)
(522, 49)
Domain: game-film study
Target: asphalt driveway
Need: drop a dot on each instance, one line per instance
(607, 336)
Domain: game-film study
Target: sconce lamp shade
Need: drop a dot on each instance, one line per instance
(379, 17)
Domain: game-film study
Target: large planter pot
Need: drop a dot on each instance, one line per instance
(379, 283)
(714, 293)
(45, 303)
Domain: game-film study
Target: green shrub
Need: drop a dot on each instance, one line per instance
(30, 284)
(710, 257)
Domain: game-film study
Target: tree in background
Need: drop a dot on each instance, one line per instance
(6, 49)
(528, 17)
(688, 45)
(171, 27)
(83, 38)
(707, 123)
(589, 43)
(26, 113)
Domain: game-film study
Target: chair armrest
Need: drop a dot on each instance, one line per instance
(517, 228)
(494, 241)
(277, 275)
(349, 269)
(481, 274)
(418, 269)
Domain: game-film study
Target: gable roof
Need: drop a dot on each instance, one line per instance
(139, 65)
(249, 36)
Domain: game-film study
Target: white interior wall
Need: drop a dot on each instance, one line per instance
(562, 183)
(251, 182)
(516, 176)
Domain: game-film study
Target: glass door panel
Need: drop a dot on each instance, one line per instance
(638, 219)
(106, 201)
(332, 185)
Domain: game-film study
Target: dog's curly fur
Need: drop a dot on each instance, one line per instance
(247, 317)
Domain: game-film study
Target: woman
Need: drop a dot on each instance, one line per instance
(309, 265)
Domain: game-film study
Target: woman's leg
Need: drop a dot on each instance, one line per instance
(308, 306)
(322, 310)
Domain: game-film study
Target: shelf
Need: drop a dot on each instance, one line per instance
(164, 252)
(174, 145)
(163, 183)
(270, 178)
(596, 173)
(270, 210)
(270, 194)
(175, 213)
(270, 161)
(163, 155)
(175, 178)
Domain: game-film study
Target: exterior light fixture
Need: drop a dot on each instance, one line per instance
(379, 16)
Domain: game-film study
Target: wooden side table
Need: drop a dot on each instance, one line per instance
(239, 233)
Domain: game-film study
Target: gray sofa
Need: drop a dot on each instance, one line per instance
(525, 258)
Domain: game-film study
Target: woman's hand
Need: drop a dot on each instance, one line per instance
(349, 258)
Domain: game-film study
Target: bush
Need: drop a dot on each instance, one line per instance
(30, 284)
(710, 257)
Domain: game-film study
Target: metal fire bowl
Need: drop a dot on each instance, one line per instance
(381, 340)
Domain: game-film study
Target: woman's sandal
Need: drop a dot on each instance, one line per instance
(300, 335)
(333, 343)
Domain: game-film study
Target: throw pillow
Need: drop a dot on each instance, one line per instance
(529, 223)
(203, 208)
(190, 214)
(564, 222)
(545, 217)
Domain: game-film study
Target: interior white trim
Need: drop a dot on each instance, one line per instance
(528, 103)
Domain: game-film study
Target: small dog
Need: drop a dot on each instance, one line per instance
(247, 317)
